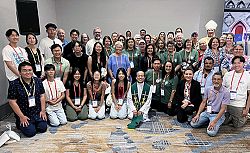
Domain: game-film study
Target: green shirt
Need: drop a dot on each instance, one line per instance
(162, 55)
(134, 57)
(153, 78)
(60, 68)
(191, 56)
(177, 58)
(168, 86)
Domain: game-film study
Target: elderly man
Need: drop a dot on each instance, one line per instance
(26, 98)
(210, 27)
(216, 98)
(61, 36)
(237, 81)
(97, 32)
(47, 42)
(139, 100)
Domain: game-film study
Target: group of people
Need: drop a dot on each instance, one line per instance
(201, 81)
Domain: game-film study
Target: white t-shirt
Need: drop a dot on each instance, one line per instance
(45, 44)
(16, 56)
(53, 90)
(244, 86)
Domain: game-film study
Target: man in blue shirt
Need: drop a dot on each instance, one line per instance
(26, 98)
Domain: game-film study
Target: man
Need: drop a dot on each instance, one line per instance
(143, 33)
(114, 37)
(179, 42)
(61, 64)
(210, 27)
(61, 36)
(137, 38)
(13, 55)
(97, 38)
(204, 76)
(142, 47)
(139, 100)
(238, 82)
(216, 98)
(26, 98)
(153, 78)
(67, 50)
(51, 39)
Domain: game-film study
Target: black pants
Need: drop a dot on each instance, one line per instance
(182, 114)
(164, 108)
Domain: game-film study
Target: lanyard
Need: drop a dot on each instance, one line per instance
(154, 76)
(172, 56)
(117, 64)
(18, 54)
(132, 59)
(203, 78)
(26, 90)
(149, 62)
(211, 95)
(231, 87)
(79, 90)
(94, 91)
(51, 90)
(56, 65)
(217, 56)
(164, 80)
(189, 56)
(33, 55)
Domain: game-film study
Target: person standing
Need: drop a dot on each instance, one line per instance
(13, 55)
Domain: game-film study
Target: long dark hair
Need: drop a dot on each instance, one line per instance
(94, 57)
(146, 52)
(172, 73)
(117, 80)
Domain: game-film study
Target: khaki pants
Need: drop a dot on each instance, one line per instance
(234, 115)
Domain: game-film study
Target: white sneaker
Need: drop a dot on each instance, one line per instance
(4, 138)
(248, 115)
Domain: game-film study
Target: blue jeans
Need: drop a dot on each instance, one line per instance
(206, 118)
(36, 124)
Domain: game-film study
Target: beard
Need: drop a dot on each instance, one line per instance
(216, 85)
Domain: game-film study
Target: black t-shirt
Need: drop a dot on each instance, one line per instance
(75, 92)
(80, 62)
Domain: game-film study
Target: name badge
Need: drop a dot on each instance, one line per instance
(153, 88)
(132, 65)
(175, 60)
(216, 68)
(233, 95)
(209, 109)
(120, 101)
(38, 67)
(202, 89)
(77, 101)
(32, 101)
(162, 92)
(58, 78)
(166, 82)
(94, 103)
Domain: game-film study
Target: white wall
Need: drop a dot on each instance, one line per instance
(47, 13)
(153, 15)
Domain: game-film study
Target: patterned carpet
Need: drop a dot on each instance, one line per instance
(161, 134)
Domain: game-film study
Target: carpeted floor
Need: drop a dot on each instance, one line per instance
(161, 134)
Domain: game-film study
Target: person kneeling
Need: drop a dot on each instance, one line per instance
(216, 98)
(139, 100)
(119, 88)
(54, 91)
(76, 95)
(96, 90)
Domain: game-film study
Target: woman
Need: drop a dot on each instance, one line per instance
(162, 36)
(54, 92)
(168, 89)
(147, 39)
(97, 61)
(96, 91)
(107, 43)
(172, 55)
(201, 51)
(133, 56)
(34, 54)
(146, 61)
(189, 56)
(84, 39)
(76, 96)
(122, 39)
(229, 44)
(217, 54)
(118, 60)
(119, 88)
(188, 96)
